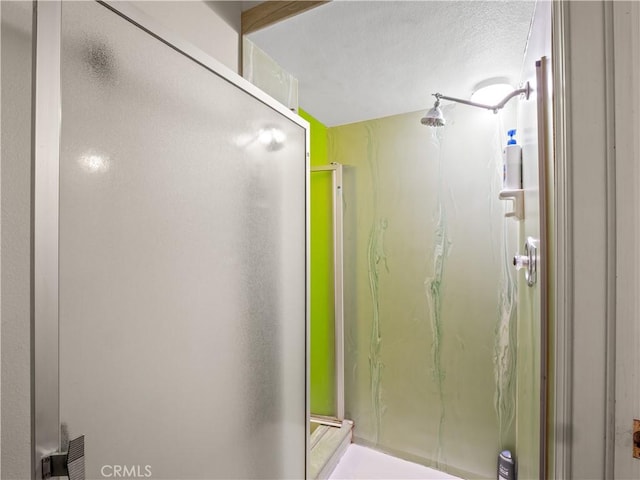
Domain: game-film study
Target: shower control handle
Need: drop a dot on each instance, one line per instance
(528, 261)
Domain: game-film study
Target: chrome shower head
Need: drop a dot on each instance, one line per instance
(434, 117)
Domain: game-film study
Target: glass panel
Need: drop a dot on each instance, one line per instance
(182, 263)
(322, 359)
(263, 71)
(431, 297)
(17, 40)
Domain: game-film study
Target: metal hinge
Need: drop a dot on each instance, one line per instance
(66, 464)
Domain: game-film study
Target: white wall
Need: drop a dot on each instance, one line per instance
(214, 28)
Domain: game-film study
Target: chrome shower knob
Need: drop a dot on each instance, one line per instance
(528, 261)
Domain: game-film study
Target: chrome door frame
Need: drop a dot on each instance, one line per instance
(46, 164)
(46, 161)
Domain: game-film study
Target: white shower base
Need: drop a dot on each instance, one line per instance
(361, 463)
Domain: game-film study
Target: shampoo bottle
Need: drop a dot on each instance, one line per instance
(512, 164)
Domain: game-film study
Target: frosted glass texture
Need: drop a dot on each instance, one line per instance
(182, 263)
(430, 313)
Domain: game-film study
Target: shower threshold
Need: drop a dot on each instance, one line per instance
(329, 440)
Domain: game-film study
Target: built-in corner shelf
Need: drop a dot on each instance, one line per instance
(517, 196)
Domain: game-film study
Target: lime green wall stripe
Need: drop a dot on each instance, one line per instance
(322, 314)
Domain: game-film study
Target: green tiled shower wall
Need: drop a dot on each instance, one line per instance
(430, 292)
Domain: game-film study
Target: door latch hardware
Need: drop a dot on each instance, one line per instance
(66, 464)
(55, 465)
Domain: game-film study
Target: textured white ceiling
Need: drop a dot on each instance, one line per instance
(358, 60)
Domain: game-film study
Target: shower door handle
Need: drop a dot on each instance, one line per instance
(528, 261)
(66, 464)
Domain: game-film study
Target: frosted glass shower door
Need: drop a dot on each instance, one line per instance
(182, 262)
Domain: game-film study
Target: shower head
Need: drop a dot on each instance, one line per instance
(434, 117)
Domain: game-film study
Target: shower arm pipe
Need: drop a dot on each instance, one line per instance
(526, 90)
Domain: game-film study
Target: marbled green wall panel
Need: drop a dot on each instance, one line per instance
(429, 288)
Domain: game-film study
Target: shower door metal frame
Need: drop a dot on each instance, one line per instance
(338, 280)
(46, 161)
(542, 98)
(46, 187)
(562, 309)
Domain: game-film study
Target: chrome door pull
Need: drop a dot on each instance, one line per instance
(66, 464)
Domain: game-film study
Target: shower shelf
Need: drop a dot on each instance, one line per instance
(517, 196)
